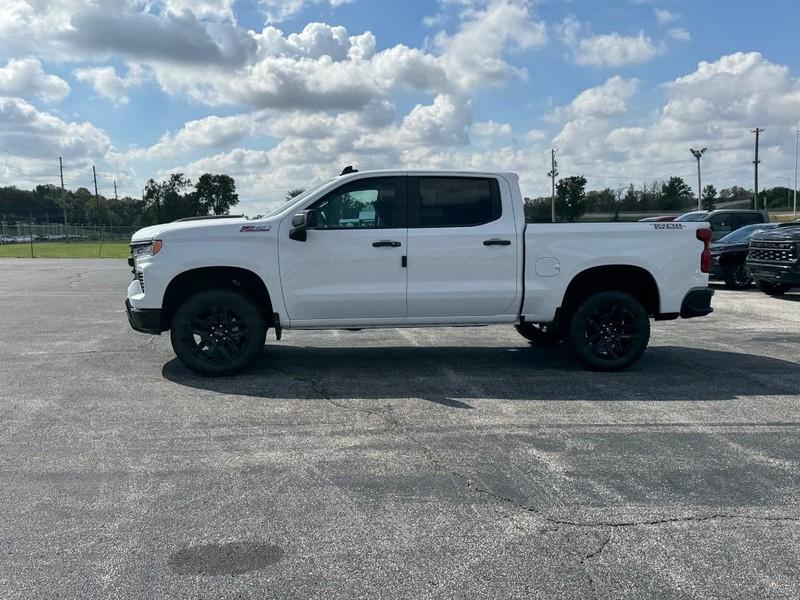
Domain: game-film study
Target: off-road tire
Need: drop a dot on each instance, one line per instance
(218, 332)
(608, 331)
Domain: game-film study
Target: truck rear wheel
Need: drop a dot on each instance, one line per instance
(218, 332)
(608, 331)
(539, 334)
(773, 289)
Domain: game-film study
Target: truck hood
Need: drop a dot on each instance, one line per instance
(717, 248)
(779, 234)
(203, 227)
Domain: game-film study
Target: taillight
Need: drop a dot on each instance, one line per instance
(704, 235)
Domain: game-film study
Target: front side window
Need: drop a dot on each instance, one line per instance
(454, 201)
(364, 204)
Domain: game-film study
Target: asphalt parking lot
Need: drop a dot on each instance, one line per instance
(437, 463)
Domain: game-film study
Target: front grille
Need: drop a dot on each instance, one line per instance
(140, 277)
(779, 252)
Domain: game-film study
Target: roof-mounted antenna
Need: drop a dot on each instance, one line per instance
(348, 169)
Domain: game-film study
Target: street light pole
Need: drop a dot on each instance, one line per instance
(698, 154)
(788, 184)
(796, 148)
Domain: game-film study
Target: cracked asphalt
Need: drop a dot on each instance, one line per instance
(432, 463)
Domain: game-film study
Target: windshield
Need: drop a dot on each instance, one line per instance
(693, 216)
(296, 200)
(745, 233)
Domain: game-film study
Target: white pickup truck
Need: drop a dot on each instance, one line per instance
(413, 249)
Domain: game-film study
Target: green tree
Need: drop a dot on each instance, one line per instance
(215, 194)
(630, 200)
(675, 194)
(571, 198)
(537, 210)
(294, 193)
(166, 201)
(709, 197)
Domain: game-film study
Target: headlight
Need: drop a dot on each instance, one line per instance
(141, 249)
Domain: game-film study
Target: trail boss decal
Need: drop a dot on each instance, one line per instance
(667, 225)
(254, 228)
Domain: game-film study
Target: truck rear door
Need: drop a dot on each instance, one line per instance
(462, 248)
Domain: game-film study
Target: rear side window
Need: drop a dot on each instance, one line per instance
(743, 219)
(453, 201)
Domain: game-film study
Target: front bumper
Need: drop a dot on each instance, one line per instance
(144, 320)
(697, 303)
(772, 273)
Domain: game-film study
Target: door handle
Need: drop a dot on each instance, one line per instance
(386, 244)
(497, 242)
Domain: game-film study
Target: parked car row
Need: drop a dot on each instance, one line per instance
(747, 249)
(773, 259)
(26, 239)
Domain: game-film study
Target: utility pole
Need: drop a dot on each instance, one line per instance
(796, 148)
(96, 195)
(757, 131)
(698, 155)
(63, 202)
(553, 174)
(115, 190)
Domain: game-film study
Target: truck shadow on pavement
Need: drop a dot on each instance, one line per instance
(451, 376)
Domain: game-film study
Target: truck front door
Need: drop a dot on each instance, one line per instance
(351, 265)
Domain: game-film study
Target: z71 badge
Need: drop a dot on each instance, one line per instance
(254, 228)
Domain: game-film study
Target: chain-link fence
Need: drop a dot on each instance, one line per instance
(57, 240)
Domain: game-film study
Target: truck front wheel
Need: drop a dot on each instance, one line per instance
(218, 332)
(608, 331)
(773, 289)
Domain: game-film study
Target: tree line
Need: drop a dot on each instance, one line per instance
(671, 196)
(177, 197)
(162, 201)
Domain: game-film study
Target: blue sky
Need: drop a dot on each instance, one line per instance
(281, 93)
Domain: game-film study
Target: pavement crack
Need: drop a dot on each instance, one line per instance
(586, 559)
(392, 424)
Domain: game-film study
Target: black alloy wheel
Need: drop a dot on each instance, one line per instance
(218, 332)
(609, 331)
(736, 277)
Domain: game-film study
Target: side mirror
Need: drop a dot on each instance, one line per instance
(301, 223)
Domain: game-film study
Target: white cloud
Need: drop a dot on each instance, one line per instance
(680, 34)
(664, 16)
(25, 78)
(280, 10)
(490, 130)
(202, 134)
(108, 83)
(605, 100)
(213, 9)
(30, 132)
(324, 68)
(715, 106)
(614, 50)
(605, 50)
